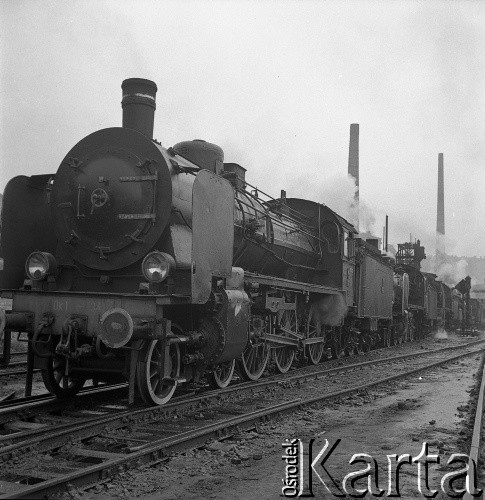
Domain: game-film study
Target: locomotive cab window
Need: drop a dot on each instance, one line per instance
(330, 232)
(348, 245)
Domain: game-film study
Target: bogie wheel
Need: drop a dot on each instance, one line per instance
(56, 381)
(283, 356)
(315, 329)
(149, 377)
(252, 363)
(220, 377)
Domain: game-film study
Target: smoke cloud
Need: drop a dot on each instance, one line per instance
(451, 273)
(330, 310)
(338, 193)
(448, 270)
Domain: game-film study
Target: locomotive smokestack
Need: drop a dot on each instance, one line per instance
(440, 217)
(354, 163)
(138, 105)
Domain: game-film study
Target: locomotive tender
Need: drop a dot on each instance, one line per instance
(162, 265)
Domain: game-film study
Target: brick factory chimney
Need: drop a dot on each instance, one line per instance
(354, 163)
(440, 216)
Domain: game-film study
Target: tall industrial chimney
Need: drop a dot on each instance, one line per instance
(138, 105)
(440, 216)
(354, 164)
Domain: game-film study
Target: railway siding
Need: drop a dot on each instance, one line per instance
(381, 421)
(133, 441)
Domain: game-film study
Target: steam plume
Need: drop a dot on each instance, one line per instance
(330, 310)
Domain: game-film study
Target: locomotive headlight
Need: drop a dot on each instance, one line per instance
(39, 264)
(157, 266)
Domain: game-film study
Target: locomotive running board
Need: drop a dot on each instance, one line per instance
(290, 284)
(279, 340)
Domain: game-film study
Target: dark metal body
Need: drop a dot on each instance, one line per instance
(423, 288)
(432, 290)
(444, 305)
(401, 293)
(290, 238)
(457, 308)
(26, 225)
(375, 283)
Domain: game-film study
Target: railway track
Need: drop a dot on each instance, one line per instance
(24, 409)
(79, 455)
(18, 360)
(12, 401)
(8, 372)
(475, 459)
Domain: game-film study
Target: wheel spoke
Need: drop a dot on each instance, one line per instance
(315, 330)
(157, 384)
(251, 356)
(149, 378)
(284, 355)
(253, 361)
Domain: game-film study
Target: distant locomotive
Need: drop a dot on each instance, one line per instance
(469, 304)
(159, 266)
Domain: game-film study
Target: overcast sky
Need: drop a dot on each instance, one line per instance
(276, 84)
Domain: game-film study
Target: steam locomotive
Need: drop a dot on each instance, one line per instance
(160, 266)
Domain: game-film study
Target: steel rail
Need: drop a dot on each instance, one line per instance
(6, 373)
(474, 454)
(36, 401)
(156, 451)
(181, 403)
(12, 362)
(39, 400)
